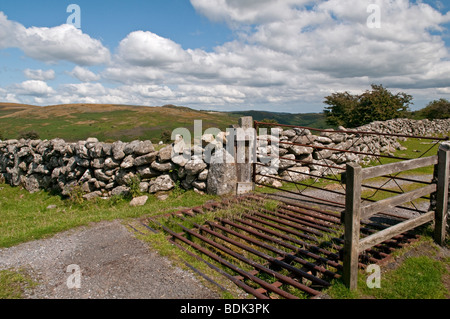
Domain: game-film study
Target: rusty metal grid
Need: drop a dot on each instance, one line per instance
(289, 251)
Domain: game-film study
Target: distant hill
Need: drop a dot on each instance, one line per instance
(75, 122)
(108, 122)
(316, 120)
(10, 108)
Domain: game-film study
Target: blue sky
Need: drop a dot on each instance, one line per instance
(276, 55)
(111, 21)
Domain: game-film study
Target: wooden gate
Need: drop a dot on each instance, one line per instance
(355, 210)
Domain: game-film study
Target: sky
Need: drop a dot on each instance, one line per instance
(224, 55)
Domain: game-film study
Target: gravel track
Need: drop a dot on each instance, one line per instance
(113, 263)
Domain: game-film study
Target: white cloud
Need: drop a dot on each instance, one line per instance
(293, 53)
(40, 74)
(63, 42)
(97, 93)
(148, 49)
(85, 89)
(130, 74)
(34, 88)
(248, 11)
(217, 94)
(445, 91)
(149, 91)
(84, 74)
(7, 97)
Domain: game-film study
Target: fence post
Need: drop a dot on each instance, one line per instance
(442, 194)
(352, 219)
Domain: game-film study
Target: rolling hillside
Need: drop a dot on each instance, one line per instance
(109, 123)
(316, 120)
(11, 108)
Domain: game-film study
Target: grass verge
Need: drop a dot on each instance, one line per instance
(418, 272)
(13, 284)
(26, 216)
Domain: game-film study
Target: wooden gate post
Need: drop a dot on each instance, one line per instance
(442, 194)
(352, 220)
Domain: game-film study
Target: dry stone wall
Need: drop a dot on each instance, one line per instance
(99, 169)
(107, 169)
(300, 162)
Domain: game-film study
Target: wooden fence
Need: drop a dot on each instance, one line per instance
(355, 210)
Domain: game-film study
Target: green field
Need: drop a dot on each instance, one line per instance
(106, 122)
(315, 120)
(110, 123)
(26, 216)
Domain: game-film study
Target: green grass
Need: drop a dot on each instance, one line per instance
(108, 123)
(25, 216)
(417, 277)
(121, 122)
(315, 120)
(14, 283)
(415, 148)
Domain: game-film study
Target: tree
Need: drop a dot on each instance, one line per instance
(379, 104)
(342, 105)
(437, 109)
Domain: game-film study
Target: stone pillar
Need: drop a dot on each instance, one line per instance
(245, 155)
(222, 177)
(230, 168)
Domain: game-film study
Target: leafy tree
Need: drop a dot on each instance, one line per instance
(342, 105)
(437, 109)
(379, 104)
